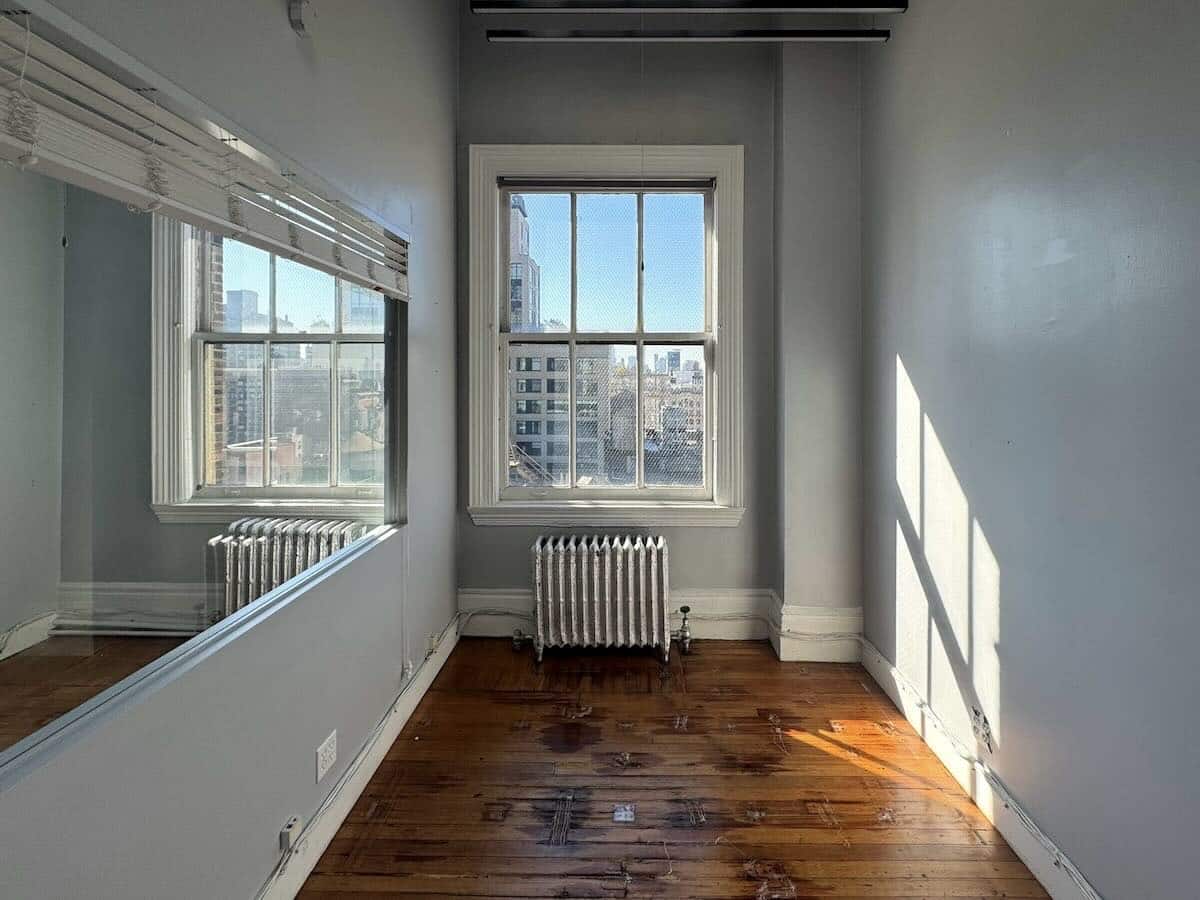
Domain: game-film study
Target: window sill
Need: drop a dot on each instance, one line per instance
(224, 511)
(591, 513)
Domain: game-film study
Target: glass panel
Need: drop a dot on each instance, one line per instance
(606, 262)
(673, 254)
(240, 291)
(304, 298)
(300, 414)
(233, 414)
(533, 462)
(362, 425)
(673, 410)
(605, 415)
(539, 262)
(362, 310)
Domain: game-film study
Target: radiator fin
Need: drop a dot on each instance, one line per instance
(601, 591)
(256, 555)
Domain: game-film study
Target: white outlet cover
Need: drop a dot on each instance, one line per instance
(326, 755)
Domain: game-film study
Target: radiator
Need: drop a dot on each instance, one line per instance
(256, 555)
(601, 591)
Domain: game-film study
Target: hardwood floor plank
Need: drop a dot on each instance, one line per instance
(746, 778)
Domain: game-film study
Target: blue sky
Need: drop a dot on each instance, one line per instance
(303, 295)
(607, 259)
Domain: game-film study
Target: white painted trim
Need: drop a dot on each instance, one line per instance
(321, 829)
(488, 163)
(26, 634)
(220, 512)
(596, 513)
(1049, 865)
(837, 632)
(723, 614)
(146, 607)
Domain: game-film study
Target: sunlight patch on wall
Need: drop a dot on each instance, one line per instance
(947, 579)
(908, 444)
(912, 616)
(985, 626)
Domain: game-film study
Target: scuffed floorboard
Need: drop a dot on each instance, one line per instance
(727, 775)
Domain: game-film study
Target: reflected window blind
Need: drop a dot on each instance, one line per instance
(61, 117)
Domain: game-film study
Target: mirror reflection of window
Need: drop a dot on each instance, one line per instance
(285, 376)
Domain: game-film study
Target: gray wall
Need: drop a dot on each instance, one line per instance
(1032, 184)
(580, 94)
(187, 786)
(109, 531)
(31, 297)
(818, 333)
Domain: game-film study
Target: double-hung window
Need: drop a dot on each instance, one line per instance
(279, 400)
(621, 326)
(614, 312)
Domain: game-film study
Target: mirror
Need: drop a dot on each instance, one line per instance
(150, 490)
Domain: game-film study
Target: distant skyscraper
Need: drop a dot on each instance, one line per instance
(673, 361)
(525, 289)
(241, 312)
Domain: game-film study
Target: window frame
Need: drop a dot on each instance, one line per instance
(573, 337)
(180, 334)
(497, 170)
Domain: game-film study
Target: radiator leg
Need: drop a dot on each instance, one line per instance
(538, 647)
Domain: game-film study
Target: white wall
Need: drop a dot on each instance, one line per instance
(1032, 187)
(182, 792)
(31, 298)
(818, 335)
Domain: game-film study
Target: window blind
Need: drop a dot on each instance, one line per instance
(62, 117)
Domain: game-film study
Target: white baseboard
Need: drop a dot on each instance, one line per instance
(825, 624)
(320, 830)
(132, 607)
(1049, 865)
(723, 614)
(26, 634)
(744, 606)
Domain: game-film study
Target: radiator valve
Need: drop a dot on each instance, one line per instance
(519, 639)
(684, 634)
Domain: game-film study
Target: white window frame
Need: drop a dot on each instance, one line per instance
(490, 502)
(177, 491)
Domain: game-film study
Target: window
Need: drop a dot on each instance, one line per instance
(630, 302)
(637, 425)
(281, 389)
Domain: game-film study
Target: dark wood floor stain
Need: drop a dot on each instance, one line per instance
(53, 677)
(744, 777)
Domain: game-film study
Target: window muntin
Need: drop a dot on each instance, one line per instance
(637, 271)
(291, 397)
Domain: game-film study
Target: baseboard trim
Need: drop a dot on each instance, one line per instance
(132, 607)
(816, 633)
(26, 634)
(321, 829)
(723, 614)
(1049, 865)
(740, 609)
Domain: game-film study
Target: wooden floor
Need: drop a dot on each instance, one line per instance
(745, 777)
(51, 678)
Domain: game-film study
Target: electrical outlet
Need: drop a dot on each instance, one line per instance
(326, 755)
(432, 645)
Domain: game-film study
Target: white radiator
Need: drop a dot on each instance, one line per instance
(256, 555)
(601, 591)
